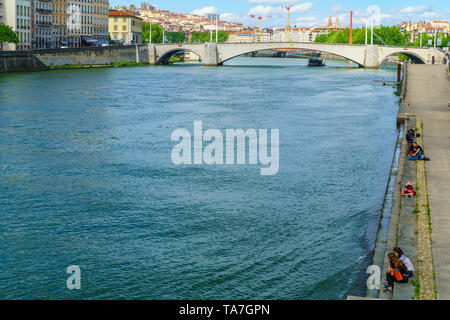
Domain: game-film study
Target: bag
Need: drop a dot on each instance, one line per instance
(398, 275)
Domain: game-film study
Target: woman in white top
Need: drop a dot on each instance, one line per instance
(399, 253)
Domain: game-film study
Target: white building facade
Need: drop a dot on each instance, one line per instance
(17, 15)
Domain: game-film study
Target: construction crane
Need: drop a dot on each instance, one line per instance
(260, 24)
(288, 9)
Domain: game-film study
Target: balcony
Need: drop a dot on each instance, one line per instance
(42, 23)
(44, 11)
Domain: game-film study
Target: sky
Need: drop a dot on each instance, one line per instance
(308, 12)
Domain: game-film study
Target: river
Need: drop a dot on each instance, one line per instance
(87, 179)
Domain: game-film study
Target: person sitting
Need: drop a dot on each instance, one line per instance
(399, 253)
(416, 152)
(410, 136)
(397, 272)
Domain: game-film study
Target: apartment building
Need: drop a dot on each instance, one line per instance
(125, 27)
(17, 15)
(59, 20)
(42, 26)
(80, 23)
(1, 11)
(100, 21)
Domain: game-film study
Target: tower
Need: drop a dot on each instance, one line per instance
(337, 21)
(329, 21)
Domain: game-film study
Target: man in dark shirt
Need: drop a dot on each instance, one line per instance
(410, 136)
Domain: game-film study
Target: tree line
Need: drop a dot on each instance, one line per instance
(177, 37)
(383, 35)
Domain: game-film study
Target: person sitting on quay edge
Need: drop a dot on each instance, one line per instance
(416, 152)
(397, 272)
(410, 137)
(400, 255)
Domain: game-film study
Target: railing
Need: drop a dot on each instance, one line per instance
(44, 11)
(43, 23)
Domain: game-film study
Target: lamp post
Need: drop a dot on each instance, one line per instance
(217, 28)
(150, 35)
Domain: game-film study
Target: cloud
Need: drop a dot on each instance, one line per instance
(307, 21)
(231, 17)
(272, 1)
(414, 9)
(205, 11)
(272, 11)
(302, 7)
(398, 15)
(337, 7)
(430, 14)
(266, 10)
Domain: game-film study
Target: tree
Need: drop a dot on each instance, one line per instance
(157, 33)
(203, 37)
(7, 35)
(176, 37)
(382, 35)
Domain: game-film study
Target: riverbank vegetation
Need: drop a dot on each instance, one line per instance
(391, 36)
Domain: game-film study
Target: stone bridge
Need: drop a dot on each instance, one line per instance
(370, 56)
(211, 54)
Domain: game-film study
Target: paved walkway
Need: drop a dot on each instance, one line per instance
(428, 95)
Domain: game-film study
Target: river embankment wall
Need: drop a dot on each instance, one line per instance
(38, 60)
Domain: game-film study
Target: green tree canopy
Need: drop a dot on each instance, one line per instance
(176, 37)
(382, 35)
(7, 35)
(391, 36)
(203, 37)
(157, 32)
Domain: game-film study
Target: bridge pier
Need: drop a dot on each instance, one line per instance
(371, 57)
(211, 55)
(152, 56)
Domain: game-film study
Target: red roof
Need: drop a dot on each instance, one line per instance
(122, 14)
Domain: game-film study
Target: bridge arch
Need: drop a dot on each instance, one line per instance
(350, 53)
(415, 57)
(164, 56)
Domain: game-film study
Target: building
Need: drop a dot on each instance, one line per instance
(80, 23)
(17, 15)
(1, 11)
(42, 25)
(415, 29)
(125, 27)
(443, 25)
(59, 21)
(100, 21)
(147, 6)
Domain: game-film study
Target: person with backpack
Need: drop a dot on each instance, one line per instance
(397, 272)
